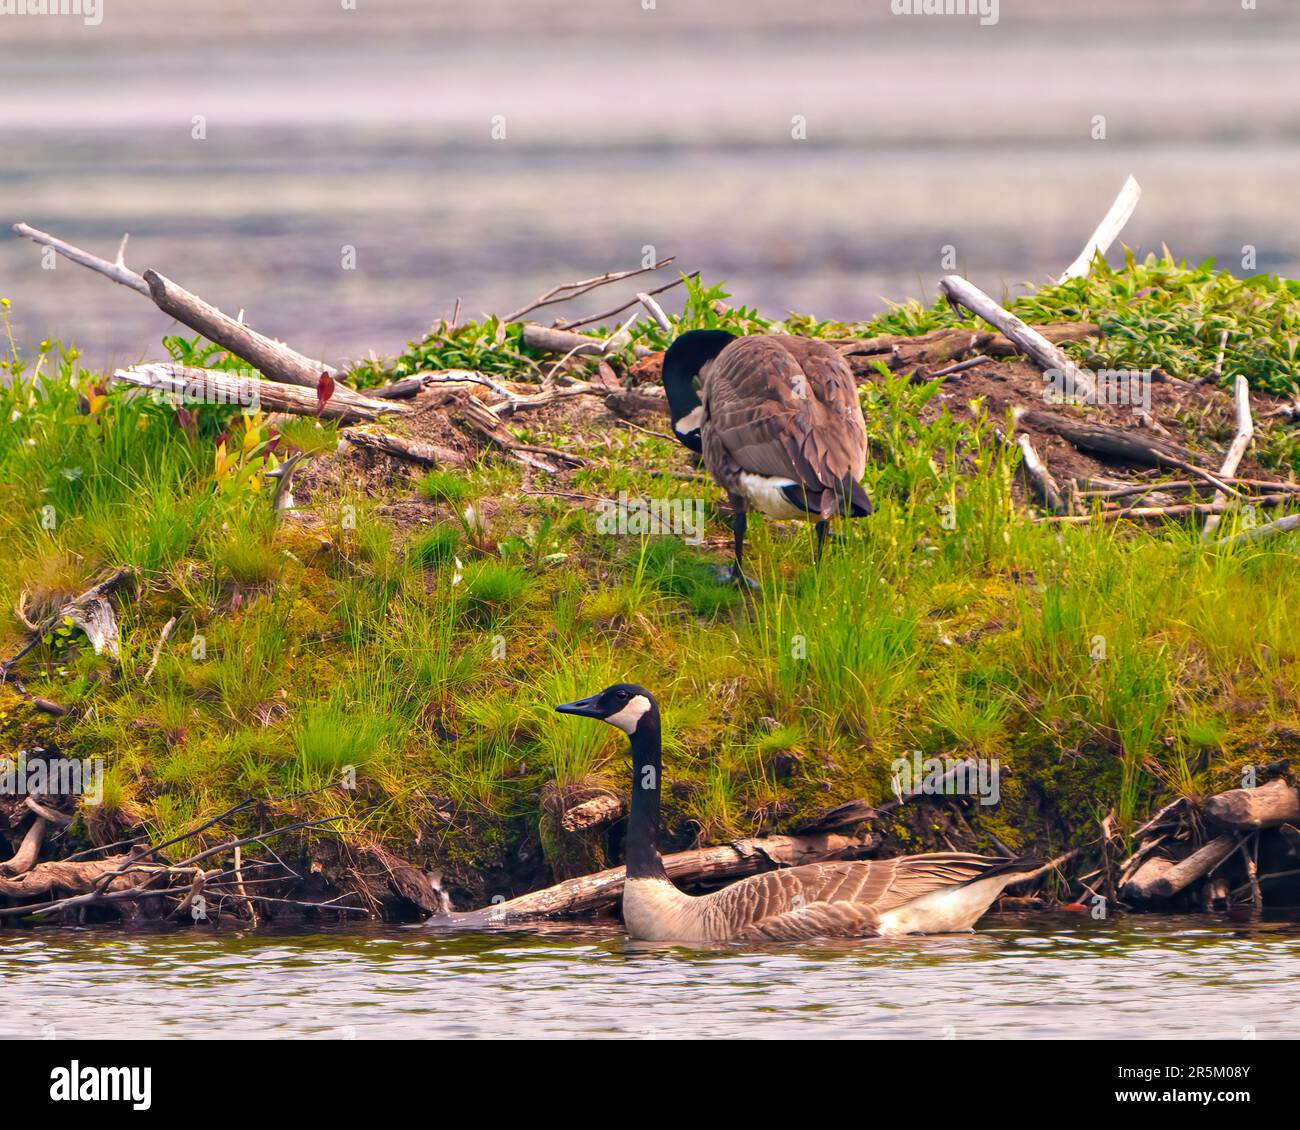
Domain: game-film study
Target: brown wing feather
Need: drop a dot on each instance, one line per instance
(842, 899)
(786, 407)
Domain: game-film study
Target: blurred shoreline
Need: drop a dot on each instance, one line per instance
(624, 129)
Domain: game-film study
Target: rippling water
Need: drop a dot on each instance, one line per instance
(1023, 975)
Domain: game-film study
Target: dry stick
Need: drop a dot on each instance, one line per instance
(117, 271)
(606, 315)
(1107, 231)
(212, 386)
(959, 367)
(1218, 361)
(1041, 477)
(962, 293)
(1241, 441)
(1177, 511)
(239, 883)
(576, 289)
(656, 311)
(157, 651)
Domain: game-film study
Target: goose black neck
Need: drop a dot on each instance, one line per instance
(643, 861)
(682, 363)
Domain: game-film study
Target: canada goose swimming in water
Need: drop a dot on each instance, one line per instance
(779, 425)
(916, 894)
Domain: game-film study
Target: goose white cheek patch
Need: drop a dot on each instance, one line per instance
(627, 718)
(691, 421)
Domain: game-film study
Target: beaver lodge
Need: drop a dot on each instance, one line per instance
(299, 630)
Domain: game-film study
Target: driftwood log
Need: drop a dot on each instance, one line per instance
(599, 893)
(1284, 525)
(1141, 886)
(940, 348)
(963, 294)
(1196, 866)
(273, 358)
(213, 386)
(1266, 806)
(410, 450)
(1123, 444)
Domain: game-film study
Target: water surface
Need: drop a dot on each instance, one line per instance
(1024, 975)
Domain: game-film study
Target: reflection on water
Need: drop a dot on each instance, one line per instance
(1023, 975)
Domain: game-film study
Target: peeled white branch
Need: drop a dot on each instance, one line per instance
(1245, 432)
(961, 293)
(1107, 231)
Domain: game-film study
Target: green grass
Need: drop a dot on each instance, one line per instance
(1105, 667)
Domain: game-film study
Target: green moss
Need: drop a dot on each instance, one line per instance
(1097, 664)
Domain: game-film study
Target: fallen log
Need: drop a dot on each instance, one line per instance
(77, 878)
(1141, 886)
(1119, 443)
(599, 893)
(945, 346)
(1196, 866)
(1269, 529)
(963, 294)
(187, 384)
(273, 358)
(1266, 806)
(413, 451)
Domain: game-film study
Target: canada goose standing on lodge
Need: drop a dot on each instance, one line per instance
(778, 422)
(940, 893)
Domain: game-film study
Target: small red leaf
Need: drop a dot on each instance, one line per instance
(324, 390)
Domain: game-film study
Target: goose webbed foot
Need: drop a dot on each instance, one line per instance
(732, 575)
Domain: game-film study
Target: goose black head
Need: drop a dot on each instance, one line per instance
(624, 705)
(687, 355)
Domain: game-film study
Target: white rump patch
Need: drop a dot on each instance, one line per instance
(627, 718)
(765, 493)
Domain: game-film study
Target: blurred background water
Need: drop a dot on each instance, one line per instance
(625, 127)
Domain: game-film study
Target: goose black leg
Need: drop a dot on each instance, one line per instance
(735, 575)
(821, 538)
